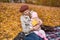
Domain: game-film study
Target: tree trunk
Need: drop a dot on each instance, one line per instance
(12, 1)
(22, 1)
(19, 1)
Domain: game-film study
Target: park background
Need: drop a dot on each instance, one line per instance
(48, 11)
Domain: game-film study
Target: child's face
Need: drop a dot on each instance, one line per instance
(27, 12)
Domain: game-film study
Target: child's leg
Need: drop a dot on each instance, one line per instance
(43, 34)
(38, 33)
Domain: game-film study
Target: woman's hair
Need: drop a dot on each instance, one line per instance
(23, 8)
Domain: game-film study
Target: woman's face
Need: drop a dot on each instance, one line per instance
(27, 12)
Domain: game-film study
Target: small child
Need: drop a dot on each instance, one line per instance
(35, 23)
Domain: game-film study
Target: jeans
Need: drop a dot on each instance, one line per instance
(32, 36)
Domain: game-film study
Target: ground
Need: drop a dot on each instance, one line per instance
(10, 24)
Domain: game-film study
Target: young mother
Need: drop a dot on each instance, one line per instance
(26, 24)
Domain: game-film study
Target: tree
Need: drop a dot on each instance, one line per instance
(12, 1)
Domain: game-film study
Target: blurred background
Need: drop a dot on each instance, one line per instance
(36, 2)
(48, 11)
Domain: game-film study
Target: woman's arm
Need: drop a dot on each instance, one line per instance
(24, 27)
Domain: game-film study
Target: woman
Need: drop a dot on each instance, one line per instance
(26, 24)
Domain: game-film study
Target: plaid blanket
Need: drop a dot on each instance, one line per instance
(54, 35)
